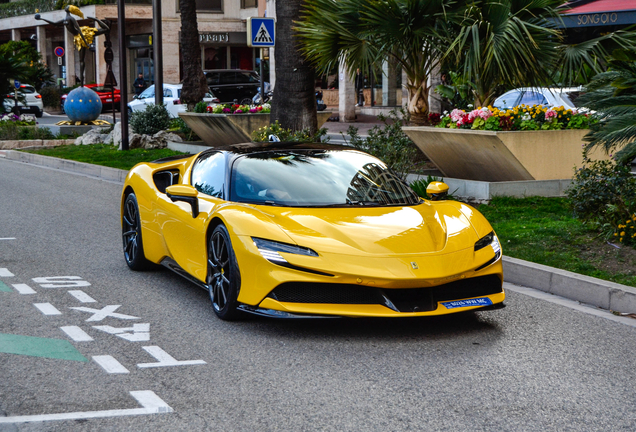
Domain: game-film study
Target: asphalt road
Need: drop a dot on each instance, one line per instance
(533, 366)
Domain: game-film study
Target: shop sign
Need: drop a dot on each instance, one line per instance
(214, 37)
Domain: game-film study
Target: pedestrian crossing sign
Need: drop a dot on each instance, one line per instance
(260, 32)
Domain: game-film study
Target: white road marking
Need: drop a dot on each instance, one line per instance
(47, 308)
(5, 273)
(572, 304)
(110, 365)
(61, 282)
(140, 332)
(165, 359)
(24, 289)
(106, 311)
(7, 238)
(82, 296)
(150, 402)
(76, 333)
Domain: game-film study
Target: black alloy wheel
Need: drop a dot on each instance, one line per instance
(246, 101)
(224, 279)
(131, 233)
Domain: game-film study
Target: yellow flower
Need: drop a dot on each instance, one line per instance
(615, 234)
(622, 233)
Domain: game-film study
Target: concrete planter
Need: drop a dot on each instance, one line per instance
(502, 156)
(218, 130)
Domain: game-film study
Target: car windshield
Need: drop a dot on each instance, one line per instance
(317, 178)
(149, 92)
(104, 89)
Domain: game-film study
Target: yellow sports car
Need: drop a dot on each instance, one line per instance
(309, 230)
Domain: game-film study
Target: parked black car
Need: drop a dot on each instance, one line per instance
(229, 85)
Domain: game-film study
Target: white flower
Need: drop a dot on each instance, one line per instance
(470, 105)
(526, 116)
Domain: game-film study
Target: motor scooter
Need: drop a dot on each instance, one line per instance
(256, 100)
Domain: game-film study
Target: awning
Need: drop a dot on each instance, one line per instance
(600, 13)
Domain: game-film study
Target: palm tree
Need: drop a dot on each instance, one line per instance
(362, 32)
(11, 68)
(504, 44)
(612, 95)
(194, 83)
(294, 101)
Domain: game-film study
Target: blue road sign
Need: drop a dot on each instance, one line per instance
(261, 32)
(16, 83)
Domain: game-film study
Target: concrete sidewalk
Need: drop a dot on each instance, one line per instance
(585, 289)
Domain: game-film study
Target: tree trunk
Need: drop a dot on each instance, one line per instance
(418, 103)
(194, 83)
(294, 101)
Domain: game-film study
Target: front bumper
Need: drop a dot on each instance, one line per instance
(355, 286)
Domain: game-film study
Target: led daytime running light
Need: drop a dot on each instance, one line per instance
(270, 250)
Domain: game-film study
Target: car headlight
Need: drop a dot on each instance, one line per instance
(488, 239)
(270, 250)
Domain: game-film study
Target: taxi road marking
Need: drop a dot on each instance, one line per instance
(82, 296)
(4, 287)
(76, 333)
(5, 273)
(24, 289)
(110, 364)
(150, 402)
(47, 308)
(165, 359)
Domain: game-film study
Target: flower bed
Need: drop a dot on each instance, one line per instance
(520, 118)
(239, 109)
(22, 120)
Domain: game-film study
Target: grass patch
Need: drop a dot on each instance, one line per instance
(544, 231)
(105, 155)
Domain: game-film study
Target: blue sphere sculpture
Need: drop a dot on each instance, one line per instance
(83, 105)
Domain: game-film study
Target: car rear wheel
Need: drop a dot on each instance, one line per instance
(38, 113)
(246, 101)
(224, 279)
(131, 233)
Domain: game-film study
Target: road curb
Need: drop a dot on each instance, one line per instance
(97, 171)
(585, 289)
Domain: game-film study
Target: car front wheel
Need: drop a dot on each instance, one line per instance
(224, 279)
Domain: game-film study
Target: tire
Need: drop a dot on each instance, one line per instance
(131, 234)
(246, 101)
(224, 278)
(39, 113)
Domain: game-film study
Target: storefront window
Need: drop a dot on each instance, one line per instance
(245, 4)
(210, 5)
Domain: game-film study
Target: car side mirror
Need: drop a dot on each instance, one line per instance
(135, 97)
(437, 190)
(185, 193)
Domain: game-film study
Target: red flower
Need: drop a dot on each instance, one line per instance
(209, 109)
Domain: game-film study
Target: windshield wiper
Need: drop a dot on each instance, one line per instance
(363, 203)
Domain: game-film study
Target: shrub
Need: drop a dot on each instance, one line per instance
(50, 96)
(388, 143)
(180, 126)
(201, 107)
(603, 193)
(153, 119)
(288, 135)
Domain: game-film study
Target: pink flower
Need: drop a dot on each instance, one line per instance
(550, 114)
(456, 114)
(485, 113)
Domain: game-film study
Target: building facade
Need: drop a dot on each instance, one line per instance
(222, 36)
